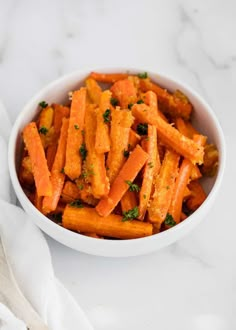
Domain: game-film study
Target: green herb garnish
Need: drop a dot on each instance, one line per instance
(130, 214)
(83, 151)
(76, 126)
(77, 203)
(126, 153)
(143, 75)
(169, 220)
(142, 129)
(107, 116)
(63, 170)
(114, 101)
(130, 106)
(43, 104)
(150, 164)
(80, 186)
(132, 186)
(43, 130)
(140, 101)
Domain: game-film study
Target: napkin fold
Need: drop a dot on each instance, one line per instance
(29, 257)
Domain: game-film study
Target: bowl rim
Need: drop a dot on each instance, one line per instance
(54, 229)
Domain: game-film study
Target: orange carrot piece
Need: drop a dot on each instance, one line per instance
(38, 160)
(119, 134)
(125, 92)
(164, 186)
(177, 104)
(57, 175)
(95, 162)
(151, 100)
(94, 90)
(70, 192)
(197, 197)
(60, 112)
(87, 220)
(183, 216)
(25, 174)
(149, 171)
(134, 139)
(108, 77)
(128, 201)
(179, 189)
(102, 140)
(129, 171)
(46, 118)
(75, 134)
(170, 135)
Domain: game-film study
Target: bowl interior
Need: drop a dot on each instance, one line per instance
(57, 92)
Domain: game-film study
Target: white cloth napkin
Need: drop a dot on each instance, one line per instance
(29, 257)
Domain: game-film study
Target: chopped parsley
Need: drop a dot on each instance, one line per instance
(82, 132)
(77, 203)
(43, 104)
(83, 151)
(107, 116)
(80, 186)
(169, 220)
(132, 186)
(126, 153)
(76, 126)
(130, 106)
(62, 170)
(150, 164)
(144, 196)
(114, 101)
(142, 129)
(143, 75)
(43, 130)
(140, 101)
(57, 217)
(130, 214)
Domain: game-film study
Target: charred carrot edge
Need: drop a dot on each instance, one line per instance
(94, 90)
(38, 160)
(102, 140)
(119, 135)
(170, 135)
(164, 186)
(169, 103)
(197, 197)
(134, 139)
(149, 171)
(57, 175)
(129, 171)
(125, 92)
(95, 162)
(75, 134)
(108, 77)
(128, 201)
(87, 220)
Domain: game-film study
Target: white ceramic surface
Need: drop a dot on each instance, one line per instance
(57, 92)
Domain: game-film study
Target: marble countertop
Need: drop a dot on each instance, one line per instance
(190, 284)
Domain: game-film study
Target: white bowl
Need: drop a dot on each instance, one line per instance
(203, 118)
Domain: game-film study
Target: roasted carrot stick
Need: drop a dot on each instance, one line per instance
(119, 134)
(94, 90)
(57, 175)
(197, 197)
(70, 192)
(87, 220)
(95, 162)
(108, 77)
(125, 92)
(128, 172)
(75, 134)
(128, 201)
(46, 118)
(38, 160)
(151, 100)
(149, 171)
(102, 140)
(134, 139)
(60, 112)
(164, 186)
(170, 135)
(38, 201)
(177, 104)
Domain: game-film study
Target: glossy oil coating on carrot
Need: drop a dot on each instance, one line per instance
(121, 122)
(75, 134)
(102, 140)
(128, 172)
(87, 220)
(95, 162)
(125, 92)
(108, 77)
(38, 160)
(57, 175)
(164, 186)
(170, 135)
